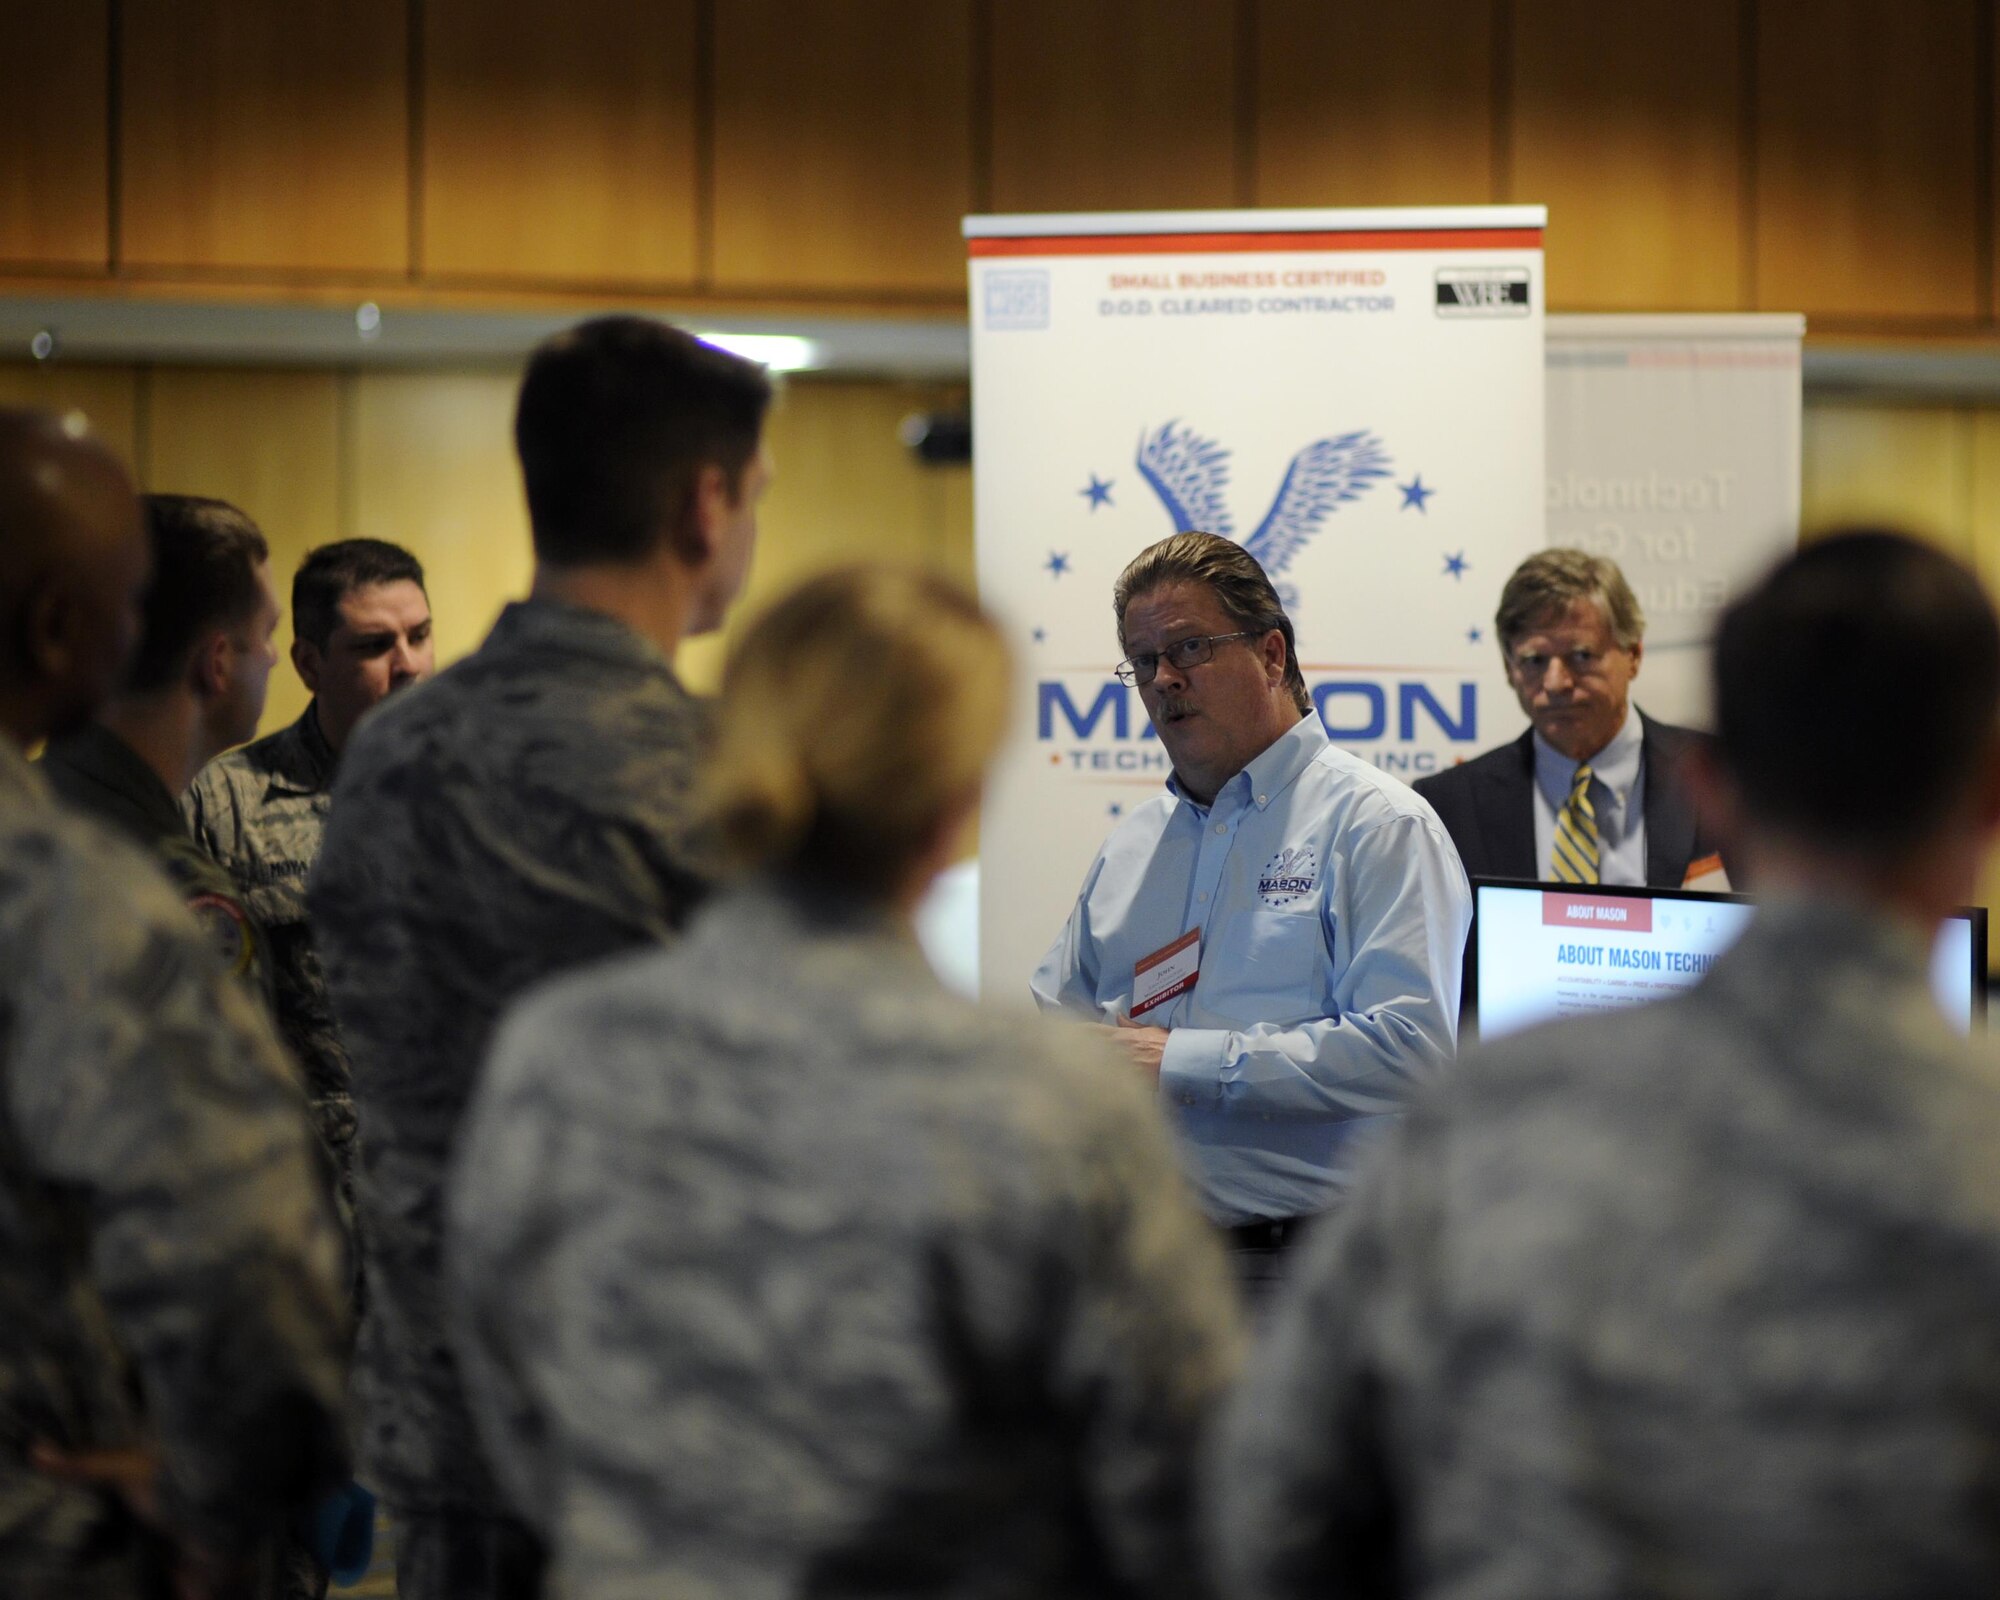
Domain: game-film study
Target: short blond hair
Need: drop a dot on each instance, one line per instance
(856, 715)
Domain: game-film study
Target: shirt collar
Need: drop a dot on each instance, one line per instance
(1273, 771)
(122, 785)
(538, 623)
(1616, 766)
(302, 761)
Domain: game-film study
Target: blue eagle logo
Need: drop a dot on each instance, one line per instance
(1189, 474)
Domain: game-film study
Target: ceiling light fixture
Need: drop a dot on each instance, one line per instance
(781, 352)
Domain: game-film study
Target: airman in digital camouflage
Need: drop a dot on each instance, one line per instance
(171, 1330)
(195, 687)
(782, 1271)
(362, 630)
(521, 814)
(1702, 1296)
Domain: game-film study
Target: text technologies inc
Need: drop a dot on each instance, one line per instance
(1099, 725)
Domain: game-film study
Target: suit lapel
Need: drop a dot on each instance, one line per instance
(1506, 802)
(1669, 815)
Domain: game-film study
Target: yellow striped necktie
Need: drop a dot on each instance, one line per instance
(1575, 857)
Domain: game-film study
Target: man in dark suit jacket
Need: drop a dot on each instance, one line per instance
(1573, 635)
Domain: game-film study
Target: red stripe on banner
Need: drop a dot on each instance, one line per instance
(1194, 244)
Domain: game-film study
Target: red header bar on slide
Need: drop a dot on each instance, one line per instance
(1606, 913)
(1195, 244)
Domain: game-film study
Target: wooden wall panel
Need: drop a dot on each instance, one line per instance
(1867, 163)
(107, 396)
(433, 470)
(1984, 423)
(843, 144)
(1909, 466)
(54, 135)
(1121, 105)
(1627, 124)
(266, 441)
(1374, 105)
(559, 142)
(266, 136)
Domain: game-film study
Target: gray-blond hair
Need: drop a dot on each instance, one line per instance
(1551, 580)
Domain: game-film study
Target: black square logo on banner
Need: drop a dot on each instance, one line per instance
(1482, 291)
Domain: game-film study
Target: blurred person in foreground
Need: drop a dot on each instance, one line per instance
(782, 1270)
(171, 1332)
(1702, 1298)
(195, 687)
(523, 813)
(361, 625)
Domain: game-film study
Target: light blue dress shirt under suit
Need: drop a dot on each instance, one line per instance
(1333, 912)
(1617, 795)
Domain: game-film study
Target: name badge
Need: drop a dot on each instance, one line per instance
(1170, 970)
(1707, 873)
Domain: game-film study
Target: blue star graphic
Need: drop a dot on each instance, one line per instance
(1098, 491)
(1116, 809)
(1454, 566)
(1414, 493)
(1473, 636)
(1041, 635)
(1057, 564)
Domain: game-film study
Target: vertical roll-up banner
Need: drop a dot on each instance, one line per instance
(1674, 448)
(1355, 396)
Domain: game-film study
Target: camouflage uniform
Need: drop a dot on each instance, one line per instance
(517, 815)
(260, 810)
(1699, 1299)
(781, 1272)
(169, 1263)
(97, 772)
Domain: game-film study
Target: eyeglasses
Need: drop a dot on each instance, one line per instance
(1182, 654)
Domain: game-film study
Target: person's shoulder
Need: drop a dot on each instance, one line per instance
(1670, 741)
(403, 730)
(84, 889)
(1139, 827)
(1357, 796)
(1501, 760)
(261, 756)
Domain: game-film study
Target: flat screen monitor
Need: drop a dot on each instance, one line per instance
(1545, 950)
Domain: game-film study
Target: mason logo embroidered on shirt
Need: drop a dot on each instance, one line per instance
(1289, 875)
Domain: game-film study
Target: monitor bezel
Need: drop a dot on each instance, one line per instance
(1469, 1006)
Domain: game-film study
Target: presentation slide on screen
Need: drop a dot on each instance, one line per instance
(1547, 953)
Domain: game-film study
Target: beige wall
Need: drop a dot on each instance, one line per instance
(426, 459)
(1828, 156)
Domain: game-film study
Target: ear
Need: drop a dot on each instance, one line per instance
(713, 506)
(1274, 657)
(306, 662)
(1636, 652)
(48, 623)
(208, 666)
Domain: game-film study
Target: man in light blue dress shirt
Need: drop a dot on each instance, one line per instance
(1277, 937)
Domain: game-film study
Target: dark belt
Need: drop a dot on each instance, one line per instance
(1267, 1233)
